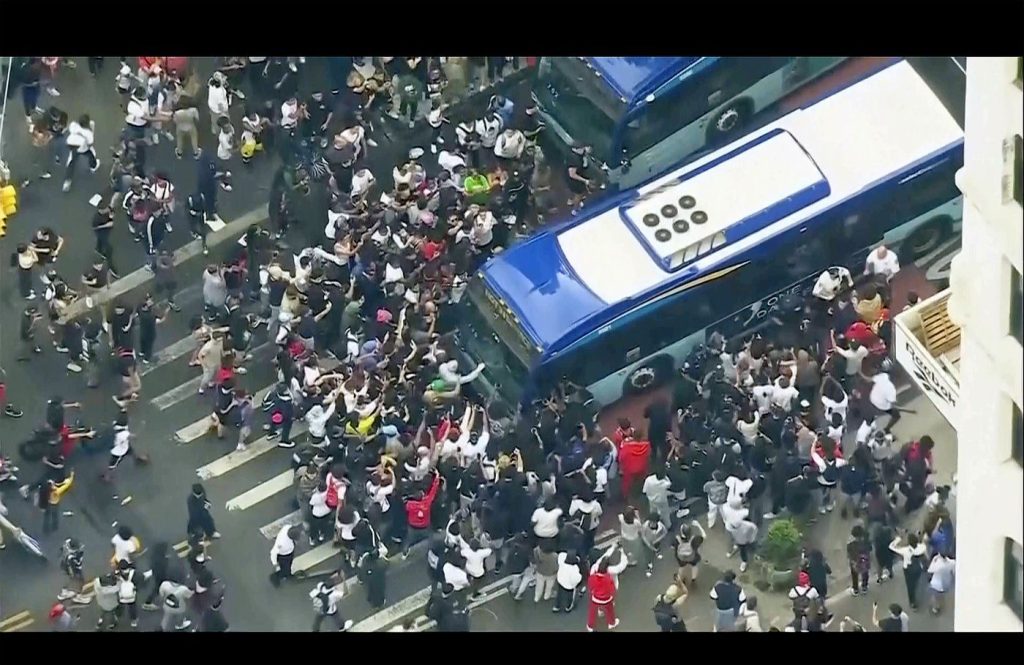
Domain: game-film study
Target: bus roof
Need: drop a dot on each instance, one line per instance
(848, 142)
(635, 77)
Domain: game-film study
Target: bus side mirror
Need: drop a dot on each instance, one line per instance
(626, 163)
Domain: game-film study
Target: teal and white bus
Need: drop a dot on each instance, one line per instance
(616, 298)
(642, 115)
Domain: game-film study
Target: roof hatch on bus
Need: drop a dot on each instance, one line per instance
(726, 199)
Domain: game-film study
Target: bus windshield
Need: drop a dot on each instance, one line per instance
(488, 337)
(576, 99)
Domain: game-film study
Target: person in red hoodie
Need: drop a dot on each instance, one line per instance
(417, 512)
(602, 597)
(633, 460)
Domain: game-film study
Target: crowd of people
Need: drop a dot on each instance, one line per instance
(397, 446)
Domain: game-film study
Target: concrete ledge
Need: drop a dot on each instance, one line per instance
(133, 280)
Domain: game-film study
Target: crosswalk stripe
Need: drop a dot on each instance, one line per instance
(182, 392)
(271, 530)
(263, 491)
(14, 618)
(169, 354)
(18, 626)
(199, 428)
(314, 557)
(177, 394)
(236, 458)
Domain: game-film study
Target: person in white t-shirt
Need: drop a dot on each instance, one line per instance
(362, 180)
(217, 101)
(137, 114)
(289, 114)
(510, 144)
(882, 262)
(854, 355)
(225, 139)
(80, 140)
(784, 395)
(883, 398)
(545, 519)
(831, 282)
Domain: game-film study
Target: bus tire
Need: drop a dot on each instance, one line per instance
(926, 237)
(730, 119)
(648, 376)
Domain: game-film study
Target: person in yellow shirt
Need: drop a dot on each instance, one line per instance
(869, 304)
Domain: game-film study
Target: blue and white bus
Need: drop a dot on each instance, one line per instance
(642, 115)
(617, 298)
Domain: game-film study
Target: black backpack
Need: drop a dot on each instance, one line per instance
(664, 616)
(322, 600)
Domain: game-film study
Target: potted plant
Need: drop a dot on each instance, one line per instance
(780, 554)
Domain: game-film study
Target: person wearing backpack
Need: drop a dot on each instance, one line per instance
(325, 598)
(126, 592)
(106, 589)
(175, 596)
(858, 552)
(729, 598)
(828, 458)
(668, 610)
(804, 596)
(588, 511)
(567, 578)
(687, 551)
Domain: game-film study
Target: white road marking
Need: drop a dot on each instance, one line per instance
(271, 530)
(191, 387)
(196, 430)
(169, 354)
(263, 491)
(215, 224)
(314, 557)
(236, 458)
(178, 394)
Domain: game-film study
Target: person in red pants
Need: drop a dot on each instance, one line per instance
(634, 457)
(602, 597)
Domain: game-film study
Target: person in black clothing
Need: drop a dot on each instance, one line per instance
(102, 226)
(199, 517)
(213, 620)
(159, 566)
(658, 428)
(26, 333)
(196, 209)
(122, 327)
(373, 575)
(166, 283)
(147, 318)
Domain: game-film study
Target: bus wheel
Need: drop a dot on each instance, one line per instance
(730, 118)
(926, 237)
(648, 376)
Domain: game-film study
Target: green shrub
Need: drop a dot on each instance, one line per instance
(781, 544)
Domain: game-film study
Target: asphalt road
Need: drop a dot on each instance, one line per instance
(169, 403)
